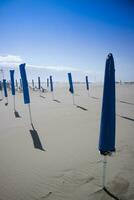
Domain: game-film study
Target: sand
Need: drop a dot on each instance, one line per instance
(68, 165)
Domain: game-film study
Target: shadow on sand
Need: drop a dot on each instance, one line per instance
(127, 102)
(82, 108)
(1, 99)
(57, 101)
(94, 97)
(42, 96)
(17, 114)
(128, 118)
(36, 139)
(6, 104)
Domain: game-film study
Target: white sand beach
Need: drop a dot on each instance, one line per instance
(70, 166)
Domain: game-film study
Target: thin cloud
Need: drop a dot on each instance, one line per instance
(10, 59)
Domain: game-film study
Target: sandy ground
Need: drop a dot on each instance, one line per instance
(70, 168)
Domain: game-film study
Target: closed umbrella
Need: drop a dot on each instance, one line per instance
(71, 88)
(5, 91)
(107, 125)
(12, 86)
(25, 89)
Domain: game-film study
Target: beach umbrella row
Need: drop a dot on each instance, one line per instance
(108, 121)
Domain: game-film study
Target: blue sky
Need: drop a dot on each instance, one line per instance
(68, 35)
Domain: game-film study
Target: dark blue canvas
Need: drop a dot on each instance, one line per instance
(71, 89)
(107, 126)
(12, 82)
(39, 85)
(24, 84)
(5, 87)
(51, 84)
(87, 83)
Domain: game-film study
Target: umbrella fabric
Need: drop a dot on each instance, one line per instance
(12, 82)
(71, 89)
(39, 85)
(5, 87)
(87, 83)
(107, 126)
(24, 84)
(51, 83)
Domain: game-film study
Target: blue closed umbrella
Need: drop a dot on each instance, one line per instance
(1, 90)
(5, 87)
(39, 85)
(24, 84)
(87, 85)
(12, 82)
(107, 126)
(5, 90)
(25, 89)
(12, 86)
(71, 88)
(51, 83)
(51, 87)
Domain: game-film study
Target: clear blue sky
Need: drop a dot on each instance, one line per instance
(70, 33)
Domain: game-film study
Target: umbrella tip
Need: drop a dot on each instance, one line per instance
(110, 55)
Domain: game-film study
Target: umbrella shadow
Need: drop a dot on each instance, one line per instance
(17, 114)
(36, 139)
(126, 102)
(81, 107)
(42, 96)
(106, 191)
(94, 97)
(128, 118)
(57, 101)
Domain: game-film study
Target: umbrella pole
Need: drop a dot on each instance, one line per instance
(14, 102)
(52, 95)
(30, 115)
(104, 171)
(88, 93)
(73, 99)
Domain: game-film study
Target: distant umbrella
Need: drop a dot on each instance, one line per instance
(25, 89)
(33, 84)
(107, 126)
(12, 86)
(5, 90)
(51, 87)
(71, 88)
(16, 84)
(47, 82)
(39, 84)
(87, 84)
